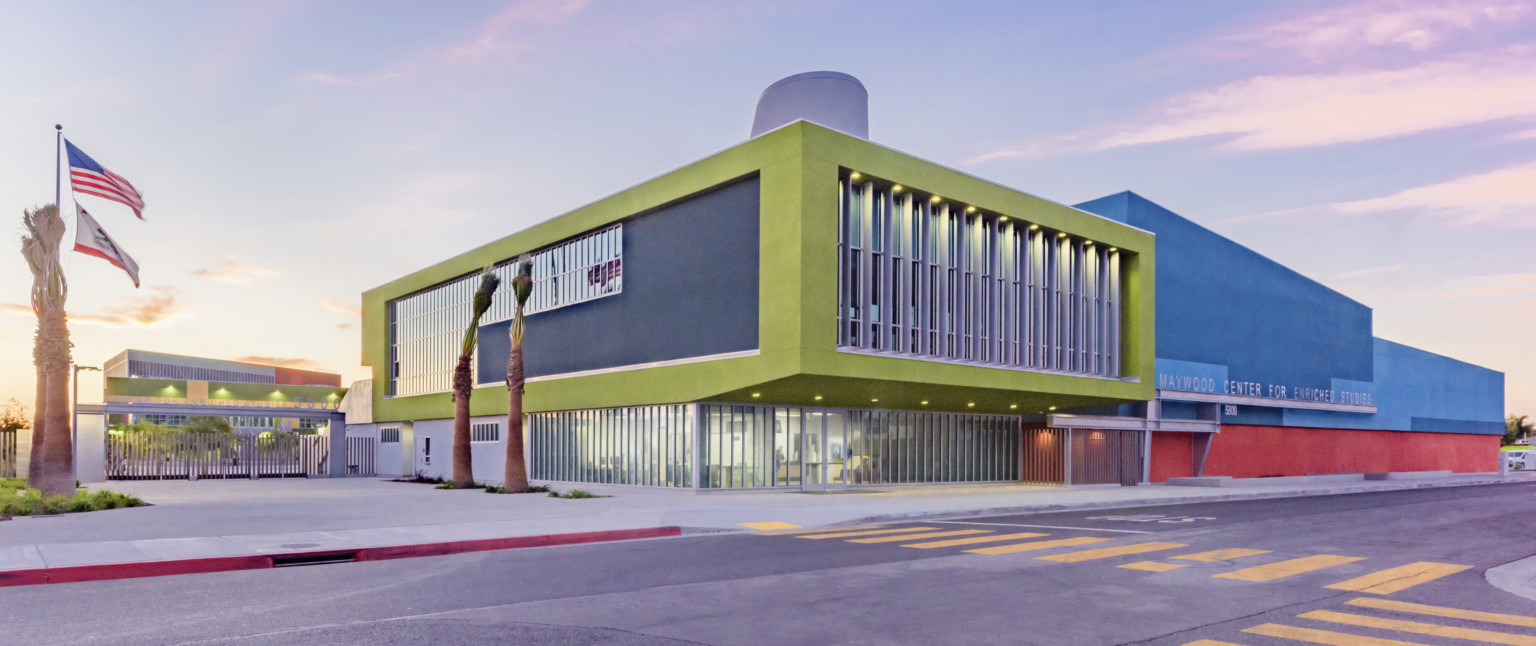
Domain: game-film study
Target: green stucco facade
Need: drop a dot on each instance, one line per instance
(798, 363)
(177, 388)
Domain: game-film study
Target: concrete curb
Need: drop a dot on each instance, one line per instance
(1517, 578)
(1192, 499)
(133, 570)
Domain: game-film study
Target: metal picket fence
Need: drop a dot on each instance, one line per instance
(182, 455)
(7, 454)
(360, 456)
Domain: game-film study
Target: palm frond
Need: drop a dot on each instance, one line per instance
(482, 304)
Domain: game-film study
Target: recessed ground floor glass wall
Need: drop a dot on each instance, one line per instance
(640, 445)
(764, 446)
(742, 446)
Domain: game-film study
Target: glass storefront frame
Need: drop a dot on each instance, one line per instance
(750, 446)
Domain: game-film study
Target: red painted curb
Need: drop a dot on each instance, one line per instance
(108, 571)
(111, 571)
(511, 543)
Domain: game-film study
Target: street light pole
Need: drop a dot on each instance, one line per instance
(74, 411)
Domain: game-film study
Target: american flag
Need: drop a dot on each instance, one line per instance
(88, 177)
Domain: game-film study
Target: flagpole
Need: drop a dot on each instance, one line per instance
(58, 202)
(58, 156)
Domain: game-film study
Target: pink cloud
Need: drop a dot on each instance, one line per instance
(1413, 25)
(239, 273)
(505, 33)
(338, 306)
(1505, 196)
(1298, 111)
(162, 307)
(1370, 271)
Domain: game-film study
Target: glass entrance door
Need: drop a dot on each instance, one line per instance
(826, 450)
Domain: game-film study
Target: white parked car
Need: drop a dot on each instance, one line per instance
(1520, 460)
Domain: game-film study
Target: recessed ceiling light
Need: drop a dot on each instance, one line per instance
(875, 399)
(972, 404)
(970, 209)
(935, 199)
(1114, 248)
(1051, 408)
(1002, 218)
(818, 398)
(1063, 234)
(896, 188)
(925, 402)
(1013, 405)
(855, 175)
(1034, 227)
(757, 394)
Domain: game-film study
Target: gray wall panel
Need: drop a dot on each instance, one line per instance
(690, 289)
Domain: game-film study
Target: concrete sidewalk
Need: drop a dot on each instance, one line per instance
(241, 518)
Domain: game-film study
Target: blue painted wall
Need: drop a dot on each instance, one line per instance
(690, 289)
(1228, 313)
(1422, 391)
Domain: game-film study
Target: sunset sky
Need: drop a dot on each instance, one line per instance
(293, 154)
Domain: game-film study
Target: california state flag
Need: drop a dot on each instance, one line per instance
(92, 240)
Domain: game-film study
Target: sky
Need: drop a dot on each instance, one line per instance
(293, 154)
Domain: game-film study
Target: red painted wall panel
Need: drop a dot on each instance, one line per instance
(296, 377)
(1172, 455)
(1253, 451)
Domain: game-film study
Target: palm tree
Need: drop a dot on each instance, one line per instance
(515, 473)
(1516, 427)
(464, 383)
(52, 469)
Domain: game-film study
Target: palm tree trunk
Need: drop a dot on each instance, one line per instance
(57, 476)
(463, 457)
(39, 424)
(516, 470)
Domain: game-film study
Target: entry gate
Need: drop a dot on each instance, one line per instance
(183, 455)
(1083, 456)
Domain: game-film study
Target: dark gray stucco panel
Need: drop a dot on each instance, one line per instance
(690, 289)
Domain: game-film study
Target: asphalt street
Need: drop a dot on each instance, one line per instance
(1403, 566)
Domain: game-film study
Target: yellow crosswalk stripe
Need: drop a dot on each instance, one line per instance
(817, 531)
(1153, 566)
(1399, 578)
(1421, 628)
(1221, 555)
(973, 541)
(1441, 611)
(1037, 545)
(908, 537)
(1292, 567)
(870, 532)
(1210, 642)
(772, 524)
(1106, 552)
(1329, 637)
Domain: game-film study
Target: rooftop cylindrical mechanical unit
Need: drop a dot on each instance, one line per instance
(832, 99)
